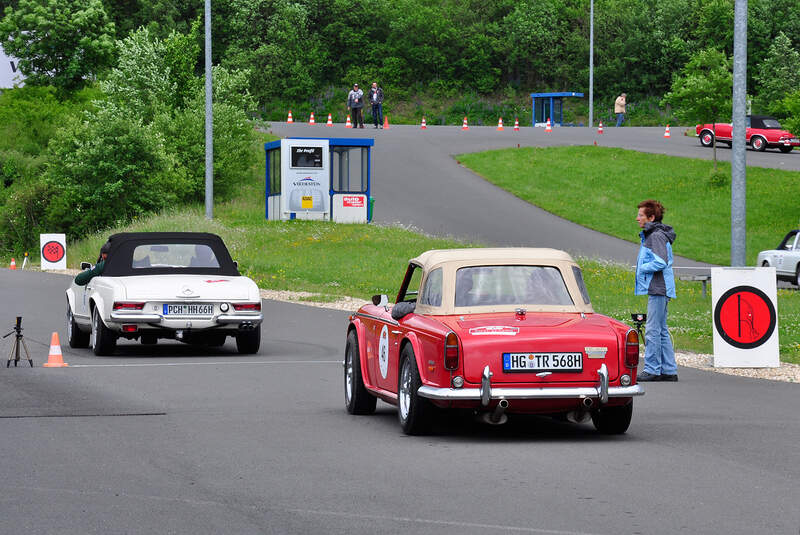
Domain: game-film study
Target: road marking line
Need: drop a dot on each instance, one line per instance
(215, 363)
(439, 522)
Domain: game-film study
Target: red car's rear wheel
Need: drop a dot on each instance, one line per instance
(356, 397)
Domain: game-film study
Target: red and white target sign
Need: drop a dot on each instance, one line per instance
(745, 317)
(53, 249)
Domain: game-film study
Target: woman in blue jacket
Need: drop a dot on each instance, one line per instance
(655, 278)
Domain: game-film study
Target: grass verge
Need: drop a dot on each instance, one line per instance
(599, 187)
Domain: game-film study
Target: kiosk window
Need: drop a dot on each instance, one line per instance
(307, 157)
(348, 170)
(274, 171)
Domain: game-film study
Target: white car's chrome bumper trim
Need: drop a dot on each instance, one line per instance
(136, 318)
(157, 318)
(469, 394)
(232, 318)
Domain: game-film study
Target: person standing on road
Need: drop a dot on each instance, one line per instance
(376, 99)
(655, 278)
(355, 102)
(619, 108)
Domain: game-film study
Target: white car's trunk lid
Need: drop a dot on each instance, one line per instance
(185, 287)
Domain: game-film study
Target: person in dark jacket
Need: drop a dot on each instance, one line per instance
(355, 103)
(655, 278)
(376, 99)
(83, 278)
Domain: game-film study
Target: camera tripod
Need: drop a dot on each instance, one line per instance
(18, 339)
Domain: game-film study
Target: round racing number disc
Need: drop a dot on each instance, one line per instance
(53, 251)
(745, 317)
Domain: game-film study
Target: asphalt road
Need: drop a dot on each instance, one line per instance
(416, 181)
(173, 439)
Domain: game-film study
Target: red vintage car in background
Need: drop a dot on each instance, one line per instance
(762, 133)
(497, 331)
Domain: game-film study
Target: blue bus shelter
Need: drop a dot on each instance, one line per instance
(549, 105)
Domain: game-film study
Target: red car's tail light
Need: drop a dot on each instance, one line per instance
(632, 349)
(252, 307)
(124, 305)
(451, 351)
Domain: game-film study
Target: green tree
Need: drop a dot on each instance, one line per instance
(778, 75)
(58, 42)
(702, 93)
(791, 103)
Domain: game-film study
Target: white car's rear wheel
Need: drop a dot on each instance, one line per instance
(248, 342)
(75, 336)
(103, 339)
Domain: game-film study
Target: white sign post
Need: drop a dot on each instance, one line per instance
(745, 317)
(53, 248)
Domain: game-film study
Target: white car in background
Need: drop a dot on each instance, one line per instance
(178, 285)
(785, 258)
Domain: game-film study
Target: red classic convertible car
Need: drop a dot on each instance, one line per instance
(497, 331)
(762, 133)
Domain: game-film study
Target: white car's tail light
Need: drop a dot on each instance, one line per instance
(247, 307)
(130, 328)
(451, 351)
(125, 305)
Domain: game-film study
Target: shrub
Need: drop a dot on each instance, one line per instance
(107, 168)
(719, 179)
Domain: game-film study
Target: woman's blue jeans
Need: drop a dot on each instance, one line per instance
(659, 355)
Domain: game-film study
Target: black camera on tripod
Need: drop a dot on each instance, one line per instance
(18, 340)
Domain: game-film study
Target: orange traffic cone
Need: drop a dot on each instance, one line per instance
(666, 132)
(348, 124)
(386, 122)
(500, 124)
(516, 124)
(600, 128)
(465, 126)
(13, 264)
(311, 121)
(423, 126)
(290, 120)
(547, 127)
(330, 120)
(55, 359)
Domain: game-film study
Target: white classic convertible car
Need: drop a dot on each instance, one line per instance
(785, 258)
(179, 285)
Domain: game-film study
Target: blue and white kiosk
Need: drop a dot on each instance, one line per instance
(319, 178)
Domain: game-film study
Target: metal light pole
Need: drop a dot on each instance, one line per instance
(739, 155)
(209, 121)
(591, 64)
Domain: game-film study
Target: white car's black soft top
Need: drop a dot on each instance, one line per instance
(122, 245)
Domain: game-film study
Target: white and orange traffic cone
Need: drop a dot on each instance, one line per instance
(330, 120)
(386, 122)
(289, 119)
(516, 124)
(600, 127)
(464, 125)
(548, 128)
(55, 359)
(311, 121)
(347, 123)
(666, 132)
(13, 264)
(423, 126)
(500, 124)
